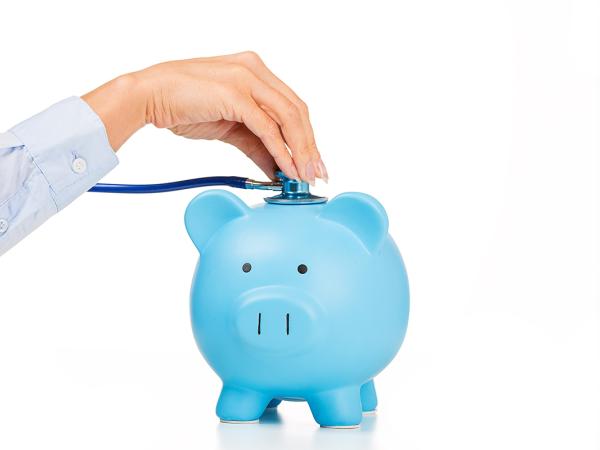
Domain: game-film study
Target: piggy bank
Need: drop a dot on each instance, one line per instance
(296, 301)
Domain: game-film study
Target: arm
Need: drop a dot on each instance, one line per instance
(46, 162)
(50, 159)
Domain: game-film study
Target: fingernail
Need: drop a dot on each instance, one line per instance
(310, 173)
(318, 169)
(322, 171)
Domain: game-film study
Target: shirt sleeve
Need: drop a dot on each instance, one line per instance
(46, 162)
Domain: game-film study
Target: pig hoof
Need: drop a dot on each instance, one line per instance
(239, 422)
(369, 413)
(341, 427)
(273, 403)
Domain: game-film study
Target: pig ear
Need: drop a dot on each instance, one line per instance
(361, 214)
(209, 211)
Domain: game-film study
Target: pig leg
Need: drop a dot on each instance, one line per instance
(274, 403)
(338, 408)
(368, 398)
(240, 405)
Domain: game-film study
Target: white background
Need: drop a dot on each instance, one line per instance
(475, 123)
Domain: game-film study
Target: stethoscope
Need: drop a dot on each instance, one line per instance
(292, 191)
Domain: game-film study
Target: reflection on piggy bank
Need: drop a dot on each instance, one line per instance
(296, 302)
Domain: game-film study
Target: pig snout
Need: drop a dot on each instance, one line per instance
(278, 319)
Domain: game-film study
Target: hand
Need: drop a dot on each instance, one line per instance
(234, 98)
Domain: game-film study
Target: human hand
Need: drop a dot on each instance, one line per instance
(233, 98)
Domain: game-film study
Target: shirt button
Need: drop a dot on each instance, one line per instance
(3, 226)
(79, 165)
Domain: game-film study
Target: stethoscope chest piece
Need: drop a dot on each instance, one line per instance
(294, 192)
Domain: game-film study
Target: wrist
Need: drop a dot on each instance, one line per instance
(121, 105)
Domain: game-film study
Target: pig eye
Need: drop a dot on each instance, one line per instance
(302, 269)
(247, 267)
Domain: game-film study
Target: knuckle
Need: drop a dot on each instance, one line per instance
(238, 71)
(270, 130)
(250, 57)
(229, 91)
(303, 107)
(292, 113)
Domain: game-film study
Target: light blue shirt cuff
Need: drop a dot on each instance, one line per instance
(69, 145)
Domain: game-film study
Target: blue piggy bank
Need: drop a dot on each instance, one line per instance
(296, 302)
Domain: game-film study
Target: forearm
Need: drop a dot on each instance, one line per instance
(46, 162)
(121, 105)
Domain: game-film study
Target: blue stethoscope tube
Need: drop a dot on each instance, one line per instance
(235, 182)
(292, 191)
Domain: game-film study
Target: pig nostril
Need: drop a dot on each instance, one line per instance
(259, 316)
(287, 324)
